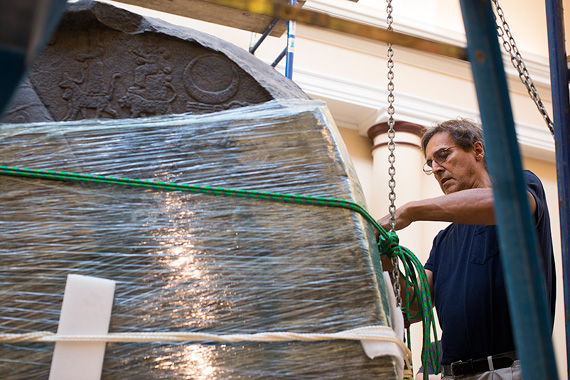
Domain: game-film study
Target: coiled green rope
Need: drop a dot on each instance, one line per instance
(414, 271)
(388, 242)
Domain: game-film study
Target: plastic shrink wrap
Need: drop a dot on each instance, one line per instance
(193, 262)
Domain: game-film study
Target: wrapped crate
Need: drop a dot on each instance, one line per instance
(187, 262)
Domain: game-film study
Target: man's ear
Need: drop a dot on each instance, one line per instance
(479, 151)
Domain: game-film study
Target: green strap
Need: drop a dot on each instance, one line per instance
(388, 243)
(278, 197)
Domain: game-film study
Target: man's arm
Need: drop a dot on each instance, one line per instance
(473, 206)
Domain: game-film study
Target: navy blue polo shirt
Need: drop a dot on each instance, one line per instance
(469, 289)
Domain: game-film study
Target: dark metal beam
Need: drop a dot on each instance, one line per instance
(517, 236)
(25, 28)
(561, 114)
(270, 27)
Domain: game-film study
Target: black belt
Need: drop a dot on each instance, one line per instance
(473, 366)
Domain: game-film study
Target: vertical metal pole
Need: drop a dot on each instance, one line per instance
(16, 57)
(290, 45)
(561, 114)
(517, 236)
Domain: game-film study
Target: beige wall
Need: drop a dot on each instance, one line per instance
(359, 150)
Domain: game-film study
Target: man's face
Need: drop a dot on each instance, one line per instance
(460, 170)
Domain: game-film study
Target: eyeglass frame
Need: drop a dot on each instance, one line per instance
(439, 162)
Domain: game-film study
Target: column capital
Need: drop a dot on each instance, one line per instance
(399, 126)
(381, 129)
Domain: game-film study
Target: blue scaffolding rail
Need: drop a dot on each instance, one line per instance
(559, 78)
(288, 51)
(517, 236)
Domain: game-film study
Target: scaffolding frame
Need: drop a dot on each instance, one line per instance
(289, 50)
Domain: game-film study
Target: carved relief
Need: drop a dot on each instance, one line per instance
(151, 69)
(93, 67)
(193, 107)
(211, 79)
(152, 83)
(141, 106)
(94, 95)
(20, 114)
(80, 101)
(104, 62)
(27, 107)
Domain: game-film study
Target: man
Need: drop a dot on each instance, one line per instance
(464, 269)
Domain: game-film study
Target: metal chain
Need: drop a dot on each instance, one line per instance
(516, 59)
(392, 157)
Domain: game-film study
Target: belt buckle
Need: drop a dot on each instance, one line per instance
(452, 365)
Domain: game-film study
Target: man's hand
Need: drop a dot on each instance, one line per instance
(402, 220)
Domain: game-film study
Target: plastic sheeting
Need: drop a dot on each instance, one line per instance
(193, 262)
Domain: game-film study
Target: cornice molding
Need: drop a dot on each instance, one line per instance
(377, 17)
(537, 65)
(358, 106)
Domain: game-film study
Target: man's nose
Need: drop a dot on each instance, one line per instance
(435, 167)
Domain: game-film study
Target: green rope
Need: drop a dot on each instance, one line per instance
(388, 243)
(414, 270)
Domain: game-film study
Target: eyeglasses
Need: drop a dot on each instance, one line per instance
(440, 157)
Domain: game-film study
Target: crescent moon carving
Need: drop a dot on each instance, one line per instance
(206, 95)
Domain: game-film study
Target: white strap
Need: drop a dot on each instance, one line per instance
(490, 361)
(86, 309)
(369, 334)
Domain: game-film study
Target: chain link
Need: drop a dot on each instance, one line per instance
(391, 148)
(510, 47)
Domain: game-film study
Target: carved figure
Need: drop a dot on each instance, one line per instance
(150, 63)
(79, 100)
(93, 65)
(140, 106)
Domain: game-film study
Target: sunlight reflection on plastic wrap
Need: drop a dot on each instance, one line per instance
(193, 262)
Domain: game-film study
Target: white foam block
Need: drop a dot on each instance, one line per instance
(374, 349)
(86, 310)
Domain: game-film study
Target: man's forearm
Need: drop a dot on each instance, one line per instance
(473, 206)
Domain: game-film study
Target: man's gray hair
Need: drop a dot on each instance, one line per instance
(465, 133)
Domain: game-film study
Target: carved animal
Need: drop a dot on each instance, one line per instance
(81, 101)
(141, 106)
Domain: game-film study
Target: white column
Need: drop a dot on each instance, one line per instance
(410, 182)
(409, 175)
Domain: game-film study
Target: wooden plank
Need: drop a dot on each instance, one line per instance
(285, 11)
(215, 13)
